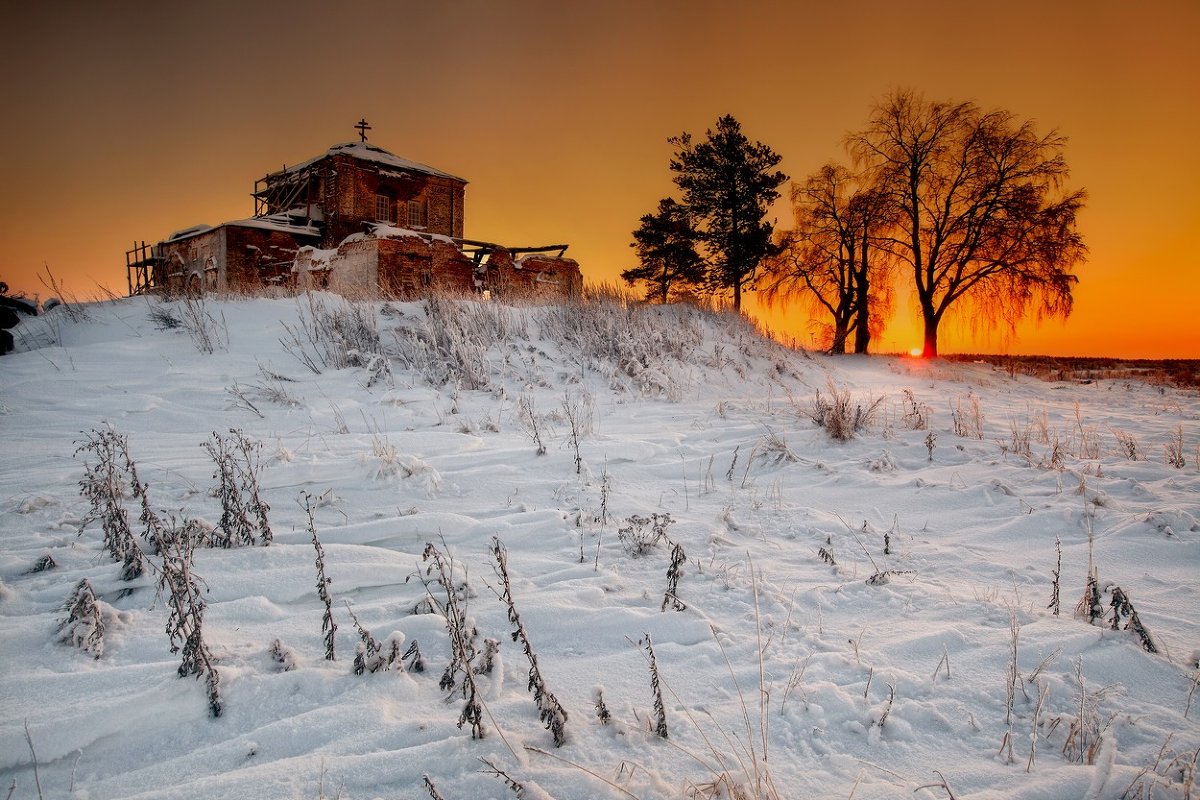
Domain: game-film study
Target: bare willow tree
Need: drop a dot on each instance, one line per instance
(832, 258)
(984, 214)
(666, 247)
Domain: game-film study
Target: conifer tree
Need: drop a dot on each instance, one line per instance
(666, 247)
(728, 185)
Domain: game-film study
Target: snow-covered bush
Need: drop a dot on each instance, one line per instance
(82, 625)
(840, 415)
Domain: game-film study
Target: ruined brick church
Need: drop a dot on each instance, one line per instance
(357, 220)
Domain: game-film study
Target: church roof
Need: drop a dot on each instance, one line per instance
(364, 151)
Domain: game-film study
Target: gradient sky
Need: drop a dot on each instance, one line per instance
(129, 120)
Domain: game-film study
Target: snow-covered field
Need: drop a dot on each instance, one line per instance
(849, 611)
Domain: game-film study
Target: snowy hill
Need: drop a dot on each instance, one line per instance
(864, 617)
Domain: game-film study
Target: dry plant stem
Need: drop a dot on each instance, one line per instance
(1151, 769)
(185, 626)
(741, 697)
(760, 777)
(550, 711)
(462, 649)
(36, 778)
(762, 690)
(1043, 693)
(328, 626)
(512, 783)
(941, 784)
(945, 659)
(660, 710)
(582, 769)
(1014, 628)
(434, 794)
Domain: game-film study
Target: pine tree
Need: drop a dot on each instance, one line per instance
(666, 248)
(728, 185)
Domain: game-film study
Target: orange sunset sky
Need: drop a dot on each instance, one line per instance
(128, 120)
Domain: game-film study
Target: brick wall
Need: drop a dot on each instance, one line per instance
(351, 187)
(253, 256)
(532, 276)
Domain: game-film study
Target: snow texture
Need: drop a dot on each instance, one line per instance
(848, 610)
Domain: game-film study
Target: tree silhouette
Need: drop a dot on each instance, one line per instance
(666, 248)
(983, 215)
(728, 184)
(832, 257)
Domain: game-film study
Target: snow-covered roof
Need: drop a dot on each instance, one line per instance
(188, 232)
(364, 151)
(275, 222)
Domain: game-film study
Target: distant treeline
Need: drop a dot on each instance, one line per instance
(1181, 372)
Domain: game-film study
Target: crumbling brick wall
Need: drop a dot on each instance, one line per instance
(351, 188)
(534, 276)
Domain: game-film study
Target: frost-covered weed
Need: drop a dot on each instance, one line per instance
(244, 519)
(208, 333)
(459, 676)
(635, 346)
(328, 625)
(333, 333)
(185, 624)
(82, 625)
(550, 711)
(641, 534)
(840, 415)
(1127, 444)
(1174, 449)
(452, 341)
(104, 484)
(916, 414)
(967, 416)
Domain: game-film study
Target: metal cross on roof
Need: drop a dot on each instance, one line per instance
(363, 127)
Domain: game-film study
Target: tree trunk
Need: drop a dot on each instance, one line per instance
(737, 296)
(862, 332)
(840, 334)
(930, 350)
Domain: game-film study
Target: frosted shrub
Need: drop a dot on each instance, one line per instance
(640, 534)
(82, 625)
(840, 415)
(968, 417)
(333, 333)
(634, 345)
(452, 343)
(103, 485)
(916, 415)
(185, 625)
(243, 512)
